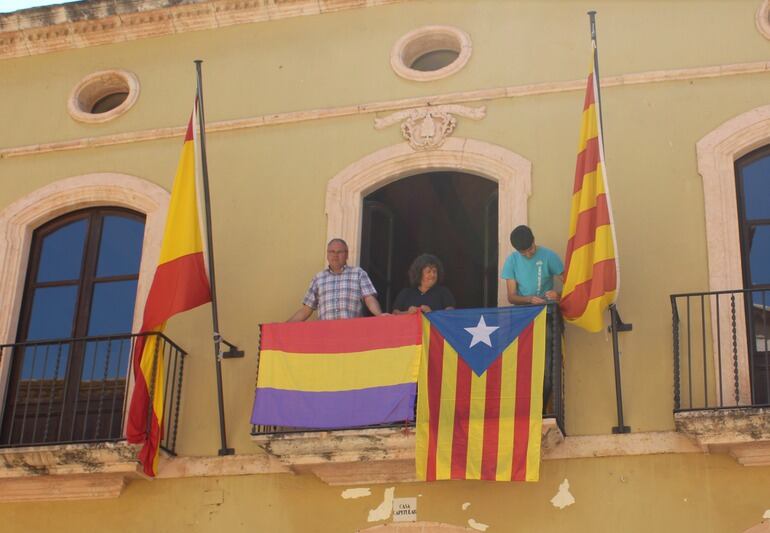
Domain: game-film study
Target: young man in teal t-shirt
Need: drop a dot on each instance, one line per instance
(528, 273)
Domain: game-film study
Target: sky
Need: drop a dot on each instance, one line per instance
(6, 6)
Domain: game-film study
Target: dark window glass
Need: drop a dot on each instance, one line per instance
(752, 186)
(120, 249)
(45, 362)
(112, 307)
(435, 60)
(753, 193)
(762, 300)
(106, 360)
(759, 254)
(61, 255)
(756, 189)
(53, 312)
(109, 102)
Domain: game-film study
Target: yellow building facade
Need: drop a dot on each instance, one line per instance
(316, 111)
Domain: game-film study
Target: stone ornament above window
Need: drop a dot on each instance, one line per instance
(426, 128)
(430, 53)
(103, 96)
(763, 19)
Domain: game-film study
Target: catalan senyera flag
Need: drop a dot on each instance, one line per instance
(479, 408)
(180, 283)
(338, 373)
(591, 275)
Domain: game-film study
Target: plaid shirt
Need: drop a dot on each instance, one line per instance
(339, 295)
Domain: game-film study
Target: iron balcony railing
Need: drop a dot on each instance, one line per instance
(721, 344)
(553, 408)
(76, 390)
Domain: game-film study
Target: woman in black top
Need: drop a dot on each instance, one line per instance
(425, 274)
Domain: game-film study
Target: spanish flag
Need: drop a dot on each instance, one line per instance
(180, 283)
(480, 401)
(591, 279)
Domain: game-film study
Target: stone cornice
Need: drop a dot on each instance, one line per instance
(94, 22)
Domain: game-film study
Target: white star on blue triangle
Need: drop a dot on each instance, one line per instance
(481, 333)
(491, 330)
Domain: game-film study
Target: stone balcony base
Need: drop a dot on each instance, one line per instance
(66, 472)
(350, 457)
(742, 432)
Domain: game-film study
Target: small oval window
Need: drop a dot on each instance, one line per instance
(103, 96)
(435, 60)
(430, 53)
(109, 102)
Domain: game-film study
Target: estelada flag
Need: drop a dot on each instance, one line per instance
(591, 276)
(480, 400)
(180, 283)
(327, 374)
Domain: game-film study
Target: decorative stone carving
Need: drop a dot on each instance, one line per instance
(426, 128)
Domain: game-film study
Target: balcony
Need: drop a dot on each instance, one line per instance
(64, 412)
(386, 454)
(721, 344)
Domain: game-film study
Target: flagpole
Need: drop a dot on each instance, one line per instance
(595, 49)
(616, 324)
(218, 340)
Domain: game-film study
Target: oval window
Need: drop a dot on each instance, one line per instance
(430, 53)
(103, 96)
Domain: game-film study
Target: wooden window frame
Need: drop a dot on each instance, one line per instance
(85, 283)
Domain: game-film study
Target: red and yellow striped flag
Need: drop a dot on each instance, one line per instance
(479, 415)
(180, 283)
(591, 279)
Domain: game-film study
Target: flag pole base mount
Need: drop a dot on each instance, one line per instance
(226, 451)
(232, 353)
(617, 430)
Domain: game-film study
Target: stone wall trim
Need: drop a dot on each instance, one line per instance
(386, 106)
(64, 27)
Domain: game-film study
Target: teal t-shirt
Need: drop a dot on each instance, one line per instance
(533, 276)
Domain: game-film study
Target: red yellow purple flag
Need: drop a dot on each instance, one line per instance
(480, 401)
(591, 275)
(180, 283)
(328, 374)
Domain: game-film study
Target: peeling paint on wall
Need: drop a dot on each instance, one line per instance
(382, 511)
(767, 514)
(352, 494)
(466, 505)
(477, 525)
(563, 498)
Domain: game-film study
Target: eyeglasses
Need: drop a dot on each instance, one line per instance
(336, 252)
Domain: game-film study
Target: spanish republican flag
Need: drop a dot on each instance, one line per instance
(327, 374)
(480, 400)
(180, 283)
(591, 279)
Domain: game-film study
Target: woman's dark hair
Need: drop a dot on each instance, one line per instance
(422, 261)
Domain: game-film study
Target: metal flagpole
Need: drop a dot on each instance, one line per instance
(218, 340)
(616, 324)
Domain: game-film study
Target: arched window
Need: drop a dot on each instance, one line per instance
(67, 380)
(752, 186)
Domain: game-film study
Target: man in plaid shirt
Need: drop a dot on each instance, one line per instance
(338, 291)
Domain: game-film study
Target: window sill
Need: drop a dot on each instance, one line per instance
(742, 432)
(66, 472)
